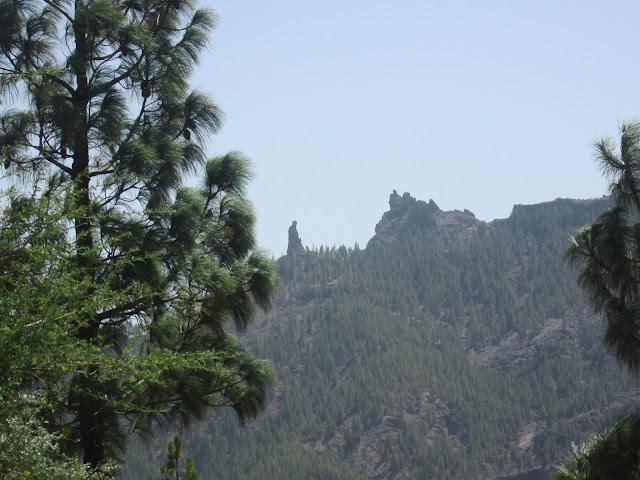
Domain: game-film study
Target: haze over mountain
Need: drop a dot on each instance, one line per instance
(447, 348)
(477, 105)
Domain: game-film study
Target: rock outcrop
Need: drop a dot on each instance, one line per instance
(295, 243)
(406, 213)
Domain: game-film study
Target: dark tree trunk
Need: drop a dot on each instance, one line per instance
(91, 430)
(90, 410)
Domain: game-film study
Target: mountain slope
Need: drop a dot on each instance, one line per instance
(447, 348)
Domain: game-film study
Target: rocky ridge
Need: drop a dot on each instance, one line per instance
(406, 214)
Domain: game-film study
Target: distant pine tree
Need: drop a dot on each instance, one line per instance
(171, 469)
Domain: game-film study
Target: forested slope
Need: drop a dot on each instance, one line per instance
(447, 348)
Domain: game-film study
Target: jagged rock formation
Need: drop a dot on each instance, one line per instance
(295, 243)
(406, 214)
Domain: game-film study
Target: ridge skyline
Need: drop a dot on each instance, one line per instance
(299, 225)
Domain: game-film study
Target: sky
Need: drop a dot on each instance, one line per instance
(477, 105)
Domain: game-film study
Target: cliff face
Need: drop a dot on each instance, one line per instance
(579, 210)
(406, 214)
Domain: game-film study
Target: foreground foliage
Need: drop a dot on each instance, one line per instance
(614, 456)
(608, 254)
(608, 251)
(28, 450)
(37, 342)
(118, 282)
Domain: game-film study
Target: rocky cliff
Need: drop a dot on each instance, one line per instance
(406, 214)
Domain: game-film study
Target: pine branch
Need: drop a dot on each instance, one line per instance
(60, 10)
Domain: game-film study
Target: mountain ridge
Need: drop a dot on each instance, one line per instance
(406, 213)
(449, 347)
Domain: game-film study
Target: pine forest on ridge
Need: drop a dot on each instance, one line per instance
(447, 348)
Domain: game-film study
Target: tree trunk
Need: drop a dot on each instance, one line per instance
(89, 409)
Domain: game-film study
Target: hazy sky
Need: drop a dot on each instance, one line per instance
(477, 104)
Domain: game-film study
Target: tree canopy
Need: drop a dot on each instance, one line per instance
(608, 251)
(608, 255)
(120, 282)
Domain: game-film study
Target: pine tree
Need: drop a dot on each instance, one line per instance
(107, 126)
(608, 252)
(616, 455)
(171, 468)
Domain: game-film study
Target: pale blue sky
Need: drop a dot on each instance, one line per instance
(476, 104)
